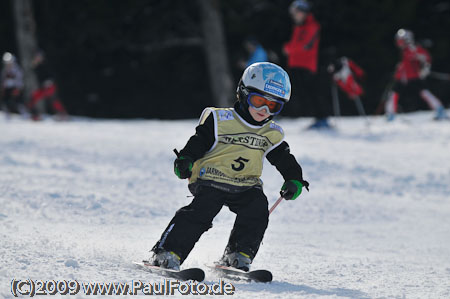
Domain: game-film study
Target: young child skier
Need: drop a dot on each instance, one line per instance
(223, 162)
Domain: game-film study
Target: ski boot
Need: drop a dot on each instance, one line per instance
(440, 113)
(166, 259)
(390, 117)
(320, 124)
(238, 260)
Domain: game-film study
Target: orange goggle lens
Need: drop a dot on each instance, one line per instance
(258, 101)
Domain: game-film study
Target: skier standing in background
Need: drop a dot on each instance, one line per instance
(303, 54)
(410, 76)
(11, 80)
(223, 162)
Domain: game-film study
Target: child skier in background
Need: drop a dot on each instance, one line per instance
(223, 162)
(346, 73)
(410, 76)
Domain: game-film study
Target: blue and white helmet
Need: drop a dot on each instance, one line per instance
(8, 58)
(267, 78)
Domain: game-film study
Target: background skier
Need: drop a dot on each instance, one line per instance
(303, 54)
(223, 162)
(46, 96)
(256, 53)
(347, 74)
(410, 76)
(11, 85)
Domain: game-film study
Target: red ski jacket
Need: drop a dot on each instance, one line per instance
(303, 48)
(414, 60)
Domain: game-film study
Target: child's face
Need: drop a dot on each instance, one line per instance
(258, 115)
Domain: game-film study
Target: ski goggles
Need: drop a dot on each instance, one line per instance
(259, 102)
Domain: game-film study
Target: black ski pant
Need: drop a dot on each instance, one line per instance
(190, 222)
(10, 102)
(409, 94)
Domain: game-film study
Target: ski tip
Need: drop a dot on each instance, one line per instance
(197, 273)
(265, 276)
(233, 273)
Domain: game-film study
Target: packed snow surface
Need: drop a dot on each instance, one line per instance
(80, 200)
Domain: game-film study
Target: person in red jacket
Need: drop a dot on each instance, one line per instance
(410, 75)
(302, 53)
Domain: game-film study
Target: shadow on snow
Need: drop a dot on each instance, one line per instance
(285, 287)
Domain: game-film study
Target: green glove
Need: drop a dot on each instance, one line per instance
(292, 189)
(183, 167)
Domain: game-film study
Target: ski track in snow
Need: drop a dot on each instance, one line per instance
(82, 199)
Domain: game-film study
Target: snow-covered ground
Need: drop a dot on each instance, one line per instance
(81, 200)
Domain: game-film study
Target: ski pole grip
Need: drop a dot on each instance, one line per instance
(176, 152)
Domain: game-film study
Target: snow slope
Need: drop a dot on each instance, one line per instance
(82, 199)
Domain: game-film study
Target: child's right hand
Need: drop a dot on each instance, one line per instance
(183, 167)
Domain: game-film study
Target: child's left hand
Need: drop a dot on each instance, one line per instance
(292, 189)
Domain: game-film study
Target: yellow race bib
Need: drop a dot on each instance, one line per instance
(236, 157)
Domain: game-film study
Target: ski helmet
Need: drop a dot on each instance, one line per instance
(267, 79)
(404, 37)
(300, 5)
(8, 58)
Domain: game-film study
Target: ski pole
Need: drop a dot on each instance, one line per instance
(360, 108)
(282, 194)
(334, 94)
(384, 96)
(440, 76)
(276, 204)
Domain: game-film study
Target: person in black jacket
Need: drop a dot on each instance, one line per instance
(223, 162)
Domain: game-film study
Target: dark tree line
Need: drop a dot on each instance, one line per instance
(163, 59)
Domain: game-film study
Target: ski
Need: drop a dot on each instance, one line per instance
(236, 274)
(196, 274)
